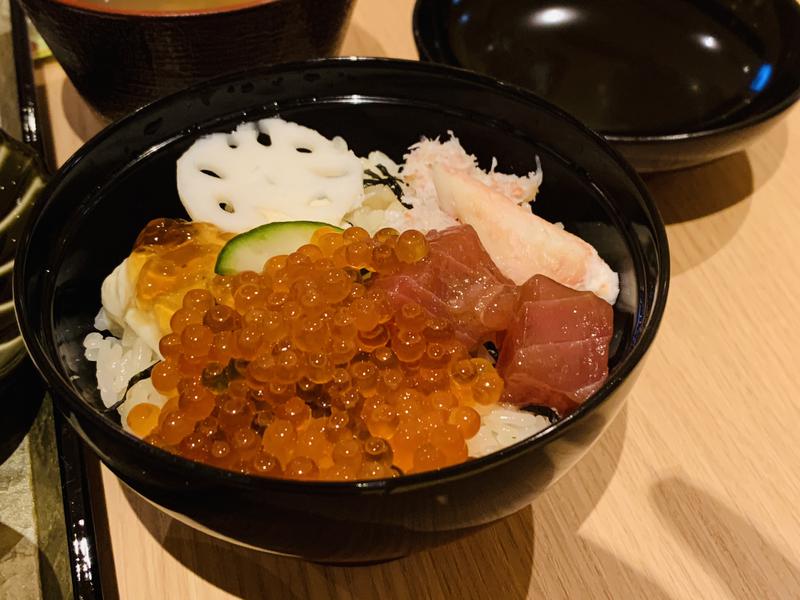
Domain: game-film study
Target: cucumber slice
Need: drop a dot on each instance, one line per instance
(249, 251)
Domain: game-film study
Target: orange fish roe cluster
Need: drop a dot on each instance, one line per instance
(173, 256)
(303, 371)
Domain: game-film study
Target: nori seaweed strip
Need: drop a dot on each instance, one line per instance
(144, 374)
(492, 350)
(387, 179)
(542, 411)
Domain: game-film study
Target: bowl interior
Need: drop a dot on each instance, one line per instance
(630, 67)
(101, 200)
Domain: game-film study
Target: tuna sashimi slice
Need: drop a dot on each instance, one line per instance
(555, 352)
(457, 280)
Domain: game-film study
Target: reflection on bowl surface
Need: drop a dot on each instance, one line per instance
(632, 70)
(129, 170)
(122, 60)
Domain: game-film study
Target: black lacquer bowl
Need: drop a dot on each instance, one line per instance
(120, 60)
(671, 83)
(100, 200)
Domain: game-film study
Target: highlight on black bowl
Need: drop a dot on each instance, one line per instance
(342, 279)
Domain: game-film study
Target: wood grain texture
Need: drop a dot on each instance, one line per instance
(692, 492)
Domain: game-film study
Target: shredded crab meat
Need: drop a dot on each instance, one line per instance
(426, 153)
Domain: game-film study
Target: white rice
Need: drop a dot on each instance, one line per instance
(502, 426)
(117, 360)
(140, 392)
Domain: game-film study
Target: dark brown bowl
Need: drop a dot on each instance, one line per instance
(120, 61)
(96, 205)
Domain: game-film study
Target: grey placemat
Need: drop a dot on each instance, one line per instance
(33, 544)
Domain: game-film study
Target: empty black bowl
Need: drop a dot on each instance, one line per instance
(96, 205)
(671, 83)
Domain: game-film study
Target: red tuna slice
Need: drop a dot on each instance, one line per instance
(457, 280)
(555, 352)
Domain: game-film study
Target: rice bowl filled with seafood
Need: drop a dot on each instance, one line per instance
(120, 226)
(324, 316)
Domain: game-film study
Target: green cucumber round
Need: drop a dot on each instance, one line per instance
(249, 251)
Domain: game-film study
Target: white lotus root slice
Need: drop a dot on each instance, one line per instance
(268, 171)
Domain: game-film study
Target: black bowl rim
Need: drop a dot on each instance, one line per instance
(426, 49)
(144, 15)
(59, 383)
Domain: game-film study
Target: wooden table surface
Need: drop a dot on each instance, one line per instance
(692, 492)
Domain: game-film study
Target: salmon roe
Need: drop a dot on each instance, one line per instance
(171, 257)
(305, 371)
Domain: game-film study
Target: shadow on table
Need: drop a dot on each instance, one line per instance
(698, 192)
(17, 557)
(740, 557)
(592, 567)
(711, 201)
(439, 572)
(82, 119)
(22, 391)
(701, 191)
(467, 568)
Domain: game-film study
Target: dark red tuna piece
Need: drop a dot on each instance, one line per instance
(555, 352)
(459, 281)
